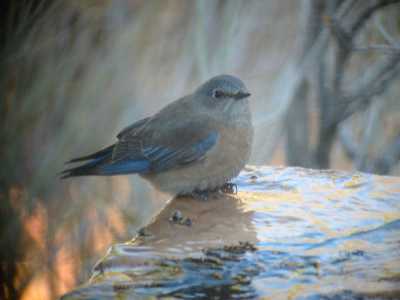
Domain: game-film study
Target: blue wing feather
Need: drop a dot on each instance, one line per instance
(163, 158)
(206, 144)
(126, 167)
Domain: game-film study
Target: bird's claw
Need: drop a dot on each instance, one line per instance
(200, 195)
(229, 188)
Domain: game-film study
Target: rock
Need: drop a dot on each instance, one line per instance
(288, 233)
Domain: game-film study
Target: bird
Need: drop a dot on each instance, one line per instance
(194, 145)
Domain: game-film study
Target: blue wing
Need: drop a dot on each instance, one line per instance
(164, 158)
(149, 159)
(160, 144)
(142, 152)
(128, 166)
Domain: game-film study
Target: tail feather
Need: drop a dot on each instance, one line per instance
(95, 155)
(100, 163)
(91, 167)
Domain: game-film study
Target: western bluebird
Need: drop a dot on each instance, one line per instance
(193, 145)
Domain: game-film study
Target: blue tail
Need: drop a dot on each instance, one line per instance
(100, 163)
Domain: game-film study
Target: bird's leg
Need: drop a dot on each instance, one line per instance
(204, 195)
(201, 195)
(229, 188)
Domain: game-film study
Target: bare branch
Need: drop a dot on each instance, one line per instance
(377, 78)
(386, 49)
(347, 140)
(343, 20)
(370, 130)
(389, 158)
(310, 25)
(345, 8)
(345, 35)
(343, 38)
(357, 152)
(367, 13)
(385, 34)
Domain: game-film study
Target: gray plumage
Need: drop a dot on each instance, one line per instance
(196, 143)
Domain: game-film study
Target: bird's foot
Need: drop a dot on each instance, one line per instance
(201, 195)
(204, 195)
(229, 188)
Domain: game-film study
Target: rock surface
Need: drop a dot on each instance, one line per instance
(289, 233)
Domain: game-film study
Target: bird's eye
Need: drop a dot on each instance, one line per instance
(218, 94)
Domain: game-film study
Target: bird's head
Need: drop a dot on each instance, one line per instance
(224, 93)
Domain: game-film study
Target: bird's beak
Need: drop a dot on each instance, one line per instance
(242, 95)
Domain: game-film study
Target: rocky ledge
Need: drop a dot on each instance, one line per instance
(289, 233)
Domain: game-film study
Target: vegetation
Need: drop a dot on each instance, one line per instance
(323, 76)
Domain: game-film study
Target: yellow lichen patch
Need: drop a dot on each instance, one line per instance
(355, 181)
(113, 276)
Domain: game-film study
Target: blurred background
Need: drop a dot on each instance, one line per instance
(324, 77)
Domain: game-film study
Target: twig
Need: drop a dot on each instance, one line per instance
(388, 49)
(347, 140)
(385, 34)
(374, 83)
(367, 13)
(389, 158)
